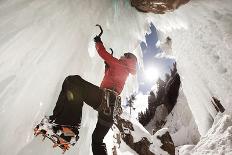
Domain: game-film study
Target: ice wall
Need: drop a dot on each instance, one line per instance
(201, 42)
(181, 123)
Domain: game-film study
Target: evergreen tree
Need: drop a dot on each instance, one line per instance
(173, 70)
(130, 102)
(167, 77)
(161, 90)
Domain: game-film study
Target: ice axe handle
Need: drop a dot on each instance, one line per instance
(112, 52)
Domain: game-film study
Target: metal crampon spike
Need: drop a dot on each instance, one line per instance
(66, 147)
(55, 145)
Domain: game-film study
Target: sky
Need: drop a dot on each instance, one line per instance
(154, 66)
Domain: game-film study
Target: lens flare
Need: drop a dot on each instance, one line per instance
(152, 74)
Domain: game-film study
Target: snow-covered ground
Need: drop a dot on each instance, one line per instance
(180, 122)
(218, 139)
(41, 42)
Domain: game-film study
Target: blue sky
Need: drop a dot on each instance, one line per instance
(150, 51)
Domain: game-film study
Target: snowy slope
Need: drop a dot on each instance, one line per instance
(181, 124)
(41, 42)
(218, 139)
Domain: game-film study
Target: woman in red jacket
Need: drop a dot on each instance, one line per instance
(105, 99)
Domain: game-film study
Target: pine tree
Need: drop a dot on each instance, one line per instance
(167, 77)
(174, 70)
(130, 101)
(161, 90)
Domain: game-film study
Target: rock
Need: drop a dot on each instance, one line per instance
(167, 143)
(217, 105)
(157, 6)
(126, 127)
(142, 147)
(162, 143)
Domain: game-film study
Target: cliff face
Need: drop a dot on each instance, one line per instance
(157, 6)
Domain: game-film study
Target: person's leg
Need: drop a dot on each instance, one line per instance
(74, 91)
(104, 123)
(98, 147)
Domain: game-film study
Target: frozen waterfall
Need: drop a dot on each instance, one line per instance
(41, 42)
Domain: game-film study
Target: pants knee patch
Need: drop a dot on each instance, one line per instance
(72, 85)
(70, 95)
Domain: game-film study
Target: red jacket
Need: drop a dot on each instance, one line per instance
(118, 71)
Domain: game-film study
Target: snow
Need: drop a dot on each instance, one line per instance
(122, 149)
(139, 131)
(155, 147)
(41, 42)
(218, 139)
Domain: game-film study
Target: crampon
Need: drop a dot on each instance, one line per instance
(63, 136)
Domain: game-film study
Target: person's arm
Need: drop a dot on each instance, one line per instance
(104, 54)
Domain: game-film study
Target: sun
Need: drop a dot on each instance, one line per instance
(152, 74)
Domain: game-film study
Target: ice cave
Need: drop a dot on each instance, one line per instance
(42, 42)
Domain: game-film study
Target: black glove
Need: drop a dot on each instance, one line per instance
(97, 39)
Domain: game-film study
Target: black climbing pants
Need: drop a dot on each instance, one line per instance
(68, 109)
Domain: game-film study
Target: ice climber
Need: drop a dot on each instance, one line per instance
(105, 99)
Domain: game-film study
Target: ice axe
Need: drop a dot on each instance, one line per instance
(101, 34)
(100, 29)
(106, 65)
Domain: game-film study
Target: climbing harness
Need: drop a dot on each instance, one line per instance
(112, 103)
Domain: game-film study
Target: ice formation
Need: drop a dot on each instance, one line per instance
(42, 42)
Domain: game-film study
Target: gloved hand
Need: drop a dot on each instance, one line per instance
(97, 39)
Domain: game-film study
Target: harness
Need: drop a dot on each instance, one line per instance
(111, 103)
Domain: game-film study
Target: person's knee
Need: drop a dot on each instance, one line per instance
(73, 79)
(72, 85)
